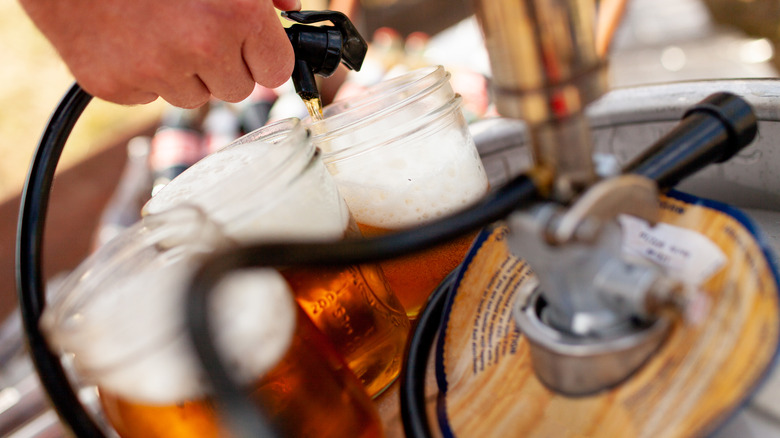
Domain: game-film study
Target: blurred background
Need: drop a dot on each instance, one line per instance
(33, 80)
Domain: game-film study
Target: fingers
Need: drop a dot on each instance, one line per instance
(138, 88)
(230, 86)
(228, 70)
(122, 97)
(288, 5)
(229, 79)
(188, 92)
(264, 56)
(267, 51)
(185, 53)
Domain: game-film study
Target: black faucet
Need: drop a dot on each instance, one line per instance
(320, 49)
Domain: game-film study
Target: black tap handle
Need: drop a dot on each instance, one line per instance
(712, 131)
(353, 46)
(320, 49)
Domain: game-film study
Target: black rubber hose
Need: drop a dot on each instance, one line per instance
(29, 277)
(29, 251)
(712, 131)
(516, 194)
(419, 347)
(495, 206)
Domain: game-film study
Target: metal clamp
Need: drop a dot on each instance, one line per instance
(592, 319)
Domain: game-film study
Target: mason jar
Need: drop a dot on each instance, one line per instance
(271, 185)
(402, 155)
(119, 324)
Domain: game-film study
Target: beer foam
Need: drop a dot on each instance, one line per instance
(138, 348)
(412, 182)
(253, 202)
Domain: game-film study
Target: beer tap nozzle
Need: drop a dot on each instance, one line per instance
(320, 49)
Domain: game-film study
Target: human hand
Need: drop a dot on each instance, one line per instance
(132, 51)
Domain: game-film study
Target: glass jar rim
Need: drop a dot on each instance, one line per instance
(422, 82)
(167, 239)
(282, 141)
(426, 126)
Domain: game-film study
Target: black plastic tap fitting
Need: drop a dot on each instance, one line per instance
(320, 49)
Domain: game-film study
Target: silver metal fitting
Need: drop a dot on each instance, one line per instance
(545, 70)
(583, 365)
(593, 319)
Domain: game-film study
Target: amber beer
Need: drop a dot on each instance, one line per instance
(414, 276)
(402, 155)
(387, 202)
(125, 330)
(259, 191)
(310, 392)
(356, 311)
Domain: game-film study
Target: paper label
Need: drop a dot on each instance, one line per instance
(687, 255)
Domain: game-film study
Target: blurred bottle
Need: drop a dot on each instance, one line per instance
(288, 104)
(414, 50)
(134, 189)
(254, 111)
(385, 53)
(177, 144)
(220, 126)
(387, 48)
(21, 396)
(473, 87)
(25, 408)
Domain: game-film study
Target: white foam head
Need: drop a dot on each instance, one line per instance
(132, 342)
(401, 152)
(120, 314)
(412, 181)
(261, 191)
